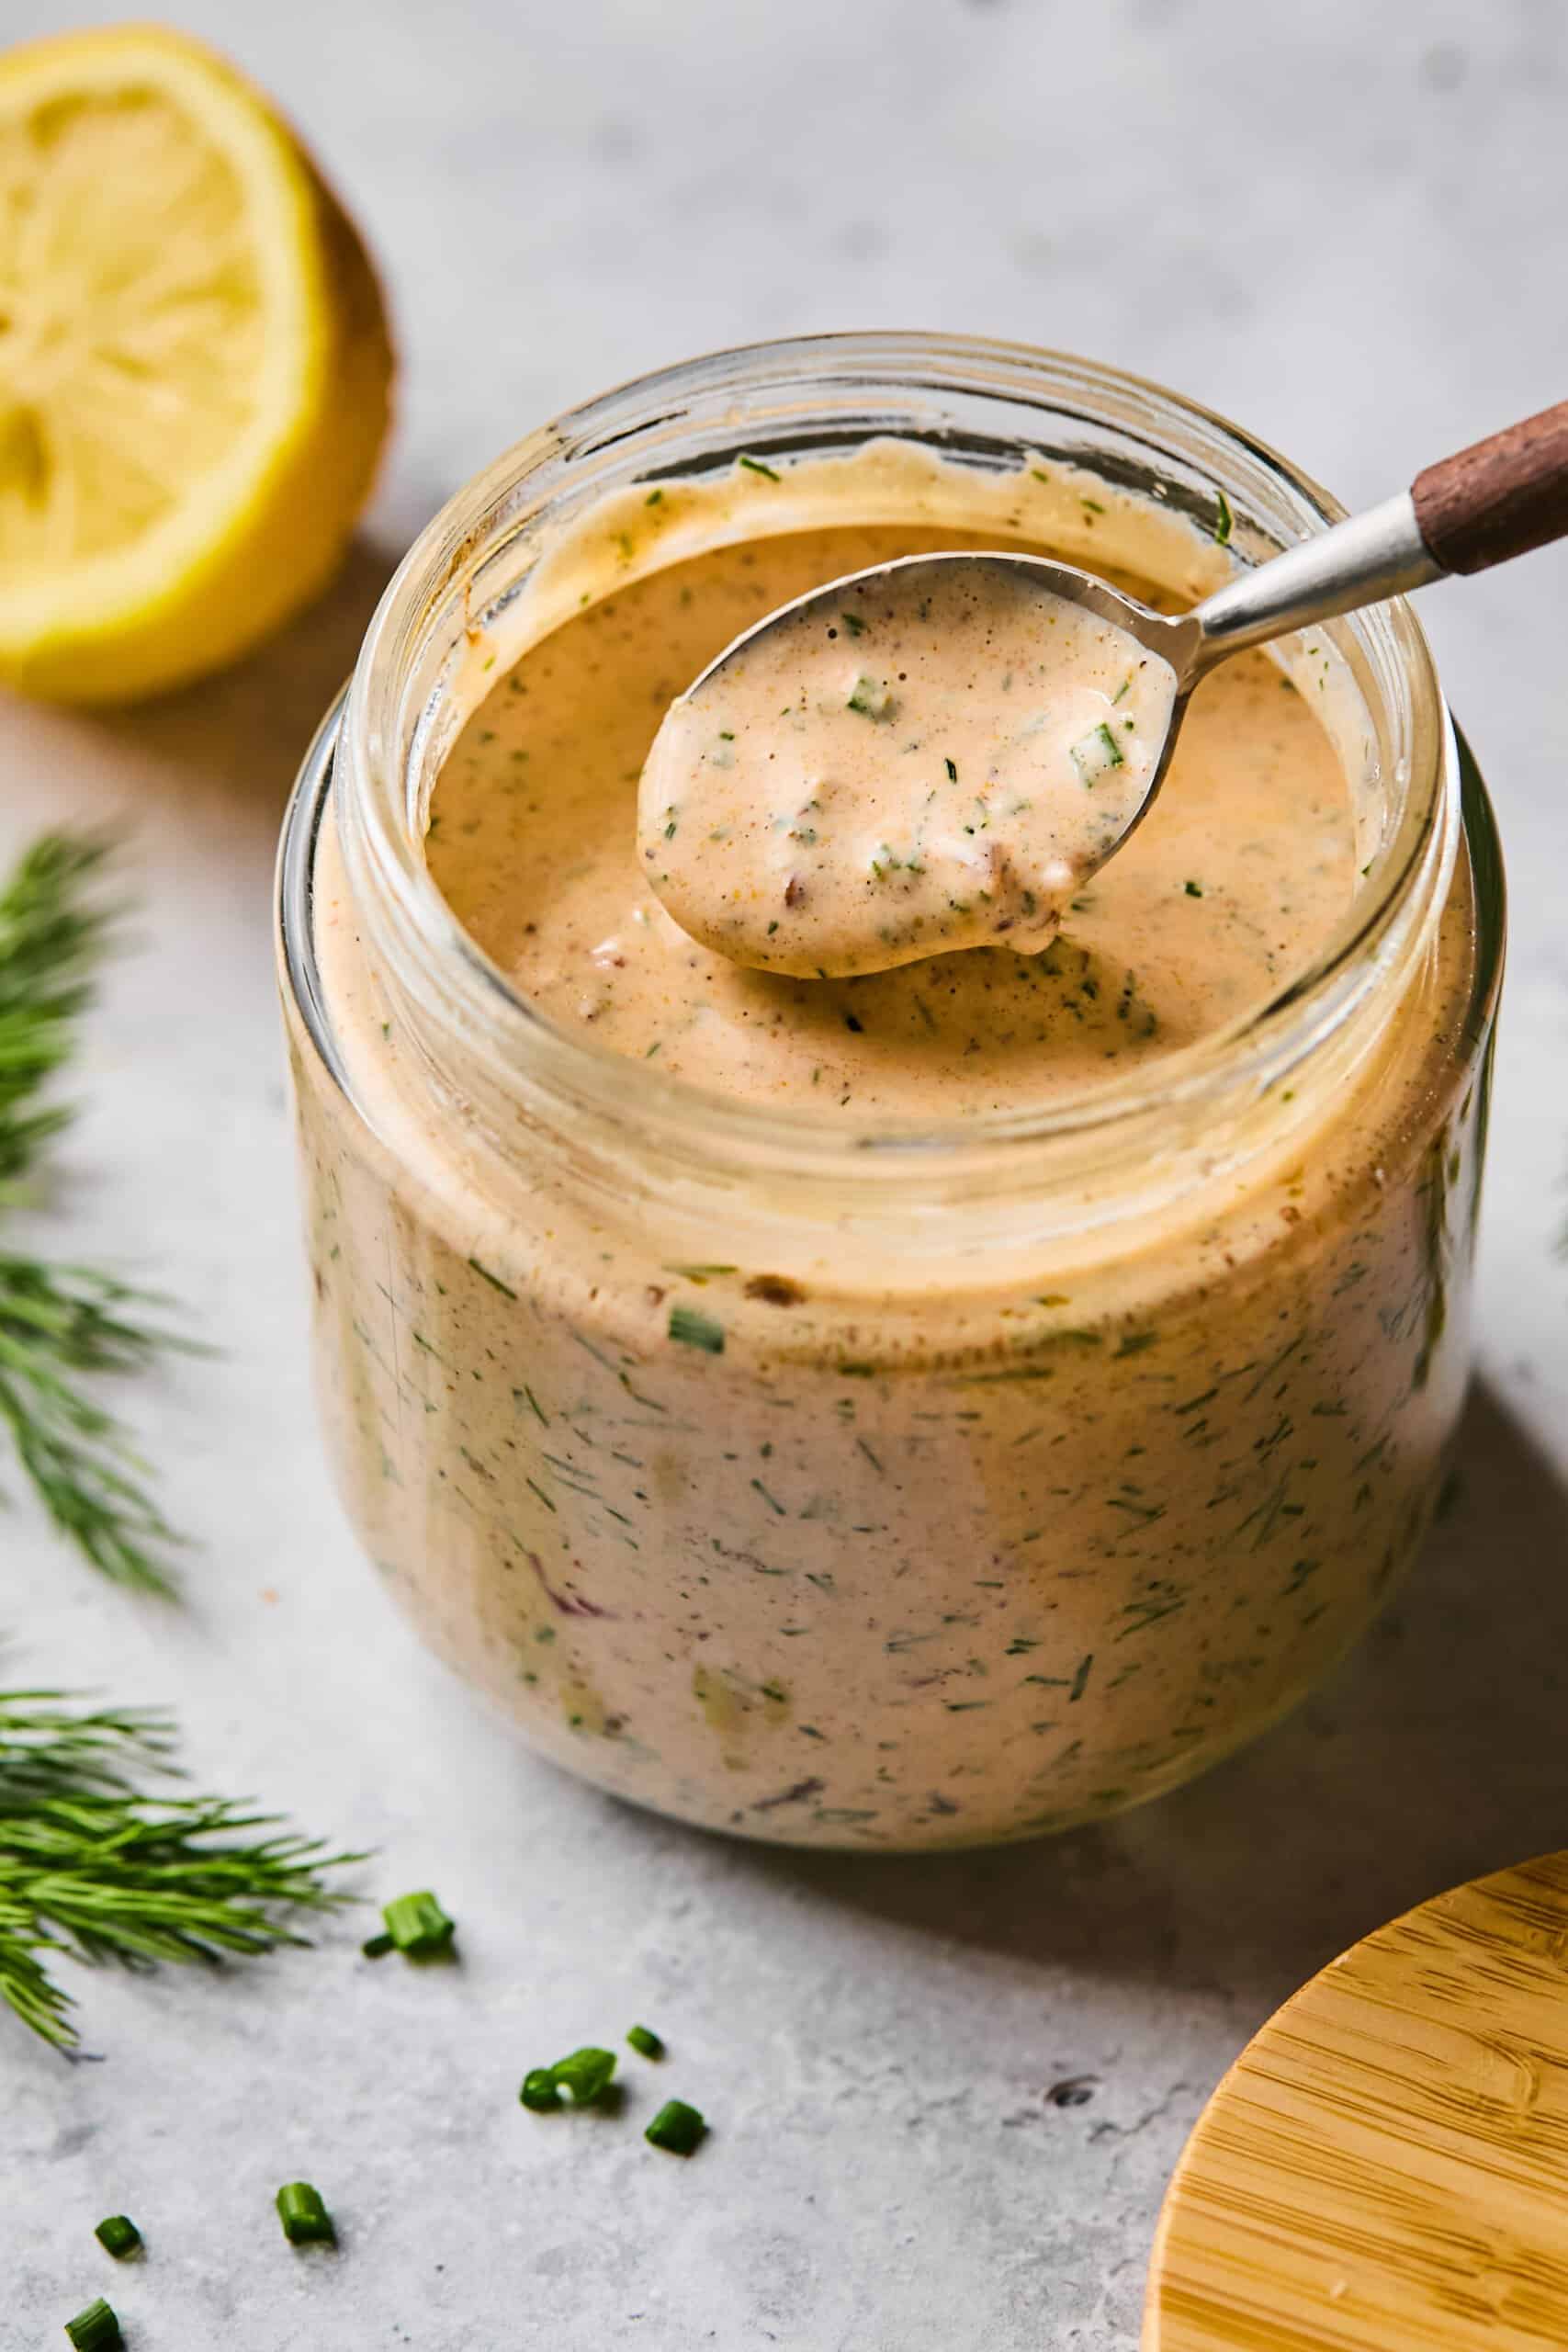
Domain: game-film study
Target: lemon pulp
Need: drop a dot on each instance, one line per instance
(195, 367)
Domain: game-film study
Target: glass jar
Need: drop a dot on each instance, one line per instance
(1024, 1468)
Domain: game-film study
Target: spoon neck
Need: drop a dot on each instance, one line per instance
(1361, 561)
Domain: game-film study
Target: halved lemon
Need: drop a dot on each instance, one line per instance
(195, 367)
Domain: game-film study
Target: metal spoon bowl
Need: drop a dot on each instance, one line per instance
(1360, 562)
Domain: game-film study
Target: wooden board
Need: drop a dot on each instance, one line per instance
(1385, 2168)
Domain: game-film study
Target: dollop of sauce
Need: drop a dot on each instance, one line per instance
(903, 765)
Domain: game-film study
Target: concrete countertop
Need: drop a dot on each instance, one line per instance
(1338, 225)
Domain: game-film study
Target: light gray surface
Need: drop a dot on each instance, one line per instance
(1339, 224)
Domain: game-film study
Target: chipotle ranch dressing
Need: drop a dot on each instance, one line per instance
(827, 1537)
(930, 759)
(1242, 870)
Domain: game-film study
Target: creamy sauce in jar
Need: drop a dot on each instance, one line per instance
(929, 759)
(845, 1529)
(1242, 869)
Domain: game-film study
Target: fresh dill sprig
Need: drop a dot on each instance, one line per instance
(56, 1324)
(94, 1868)
(53, 934)
(61, 1325)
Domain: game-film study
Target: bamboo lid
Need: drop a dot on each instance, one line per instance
(1386, 2167)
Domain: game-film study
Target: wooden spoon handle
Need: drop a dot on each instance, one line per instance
(1499, 498)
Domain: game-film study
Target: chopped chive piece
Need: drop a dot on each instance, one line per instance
(586, 2073)
(1097, 754)
(1194, 889)
(952, 767)
(538, 2092)
(755, 466)
(645, 2041)
(854, 623)
(654, 498)
(1223, 519)
(305, 2220)
(119, 2236)
(696, 1331)
(96, 2329)
(676, 2127)
(378, 1947)
(872, 697)
(417, 1925)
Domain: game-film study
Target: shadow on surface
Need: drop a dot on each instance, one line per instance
(1436, 1753)
(245, 731)
(206, 770)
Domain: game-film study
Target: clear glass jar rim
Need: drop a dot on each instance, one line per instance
(1252, 1054)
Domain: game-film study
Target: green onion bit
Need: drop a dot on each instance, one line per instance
(645, 2041)
(696, 1331)
(677, 2128)
(417, 1925)
(119, 2236)
(305, 2220)
(96, 2329)
(586, 2075)
(538, 2092)
(378, 1947)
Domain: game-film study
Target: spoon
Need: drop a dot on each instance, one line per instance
(858, 780)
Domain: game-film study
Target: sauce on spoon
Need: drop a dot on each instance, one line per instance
(925, 759)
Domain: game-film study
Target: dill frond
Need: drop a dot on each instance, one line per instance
(61, 1325)
(53, 931)
(96, 1868)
